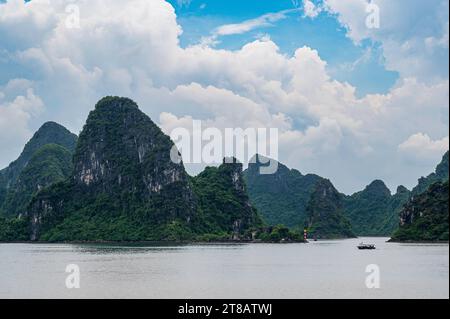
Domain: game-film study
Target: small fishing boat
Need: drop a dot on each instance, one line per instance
(366, 246)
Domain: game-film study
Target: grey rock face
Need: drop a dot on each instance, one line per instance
(123, 156)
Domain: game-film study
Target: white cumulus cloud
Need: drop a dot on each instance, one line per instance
(413, 34)
(132, 49)
(423, 146)
(18, 106)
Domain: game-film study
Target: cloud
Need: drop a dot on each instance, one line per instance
(422, 147)
(133, 50)
(18, 106)
(413, 34)
(310, 9)
(265, 20)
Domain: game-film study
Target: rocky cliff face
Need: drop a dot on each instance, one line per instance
(121, 149)
(122, 173)
(425, 216)
(125, 187)
(424, 210)
(325, 218)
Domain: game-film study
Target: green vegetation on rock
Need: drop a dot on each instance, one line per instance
(289, 198)
(125, 187)
(49, 133)
(20, 180)
(440, 174)
(374, 211)
(118, 182)
(278, 234)
(325, 218)
(50, 164)
(224, 206)
(280, 198)
(425, 216)
(14, 229)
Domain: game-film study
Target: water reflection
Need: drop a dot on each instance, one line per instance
(145, 248)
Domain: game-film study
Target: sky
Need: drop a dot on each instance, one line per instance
(358, 90)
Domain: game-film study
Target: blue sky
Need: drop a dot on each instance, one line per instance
(308, 68)
(323, 33)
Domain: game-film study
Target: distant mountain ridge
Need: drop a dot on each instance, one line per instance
(374, 211)
(283, 198)
(290, 198)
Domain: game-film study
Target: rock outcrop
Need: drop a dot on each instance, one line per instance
(224, 202)
(425, 216)
(325, 218)
(124, 184)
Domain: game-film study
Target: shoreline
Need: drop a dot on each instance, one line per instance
(223, 242)
(167, 243)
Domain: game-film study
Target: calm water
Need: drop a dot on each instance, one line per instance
(325, 269)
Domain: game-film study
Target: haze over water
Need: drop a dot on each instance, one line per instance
(323, 269)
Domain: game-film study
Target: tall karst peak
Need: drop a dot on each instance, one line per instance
(125, 187)
(123, 158)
